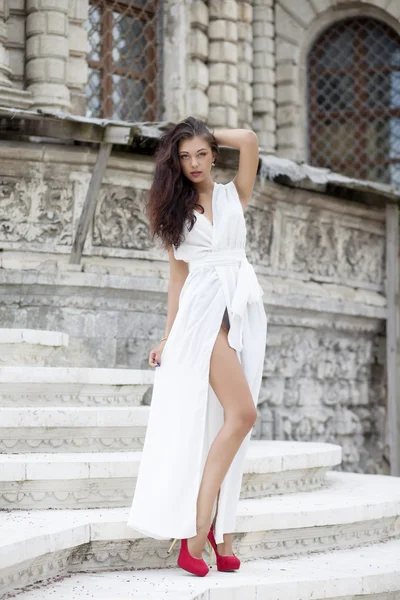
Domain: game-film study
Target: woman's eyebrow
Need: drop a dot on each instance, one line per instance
(186, 152)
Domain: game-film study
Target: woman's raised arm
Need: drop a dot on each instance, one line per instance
(246, 141)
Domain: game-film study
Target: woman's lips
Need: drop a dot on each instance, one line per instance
(195, 173)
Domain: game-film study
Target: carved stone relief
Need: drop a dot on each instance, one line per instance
(35, 210)
(259, 225)
(119, 220)
(329, 249)
(326, 386)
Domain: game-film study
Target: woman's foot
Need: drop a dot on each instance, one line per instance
(225, 549)
(197, 543)
(226, 560)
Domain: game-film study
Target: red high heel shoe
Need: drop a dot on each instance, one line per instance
(224, 563)
(190, 563)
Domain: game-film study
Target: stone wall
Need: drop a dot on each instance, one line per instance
(320, 260)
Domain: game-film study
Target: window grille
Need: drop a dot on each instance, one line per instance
(354, 100)
(122, 59)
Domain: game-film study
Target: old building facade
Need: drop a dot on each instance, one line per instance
(273, 65)
(299, 72)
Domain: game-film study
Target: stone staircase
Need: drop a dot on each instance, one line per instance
(70, 447)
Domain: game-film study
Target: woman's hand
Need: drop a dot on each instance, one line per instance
(155, 354)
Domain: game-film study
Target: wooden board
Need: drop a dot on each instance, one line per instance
(392, 336)
(90, 203)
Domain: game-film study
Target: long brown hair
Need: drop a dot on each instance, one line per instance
(172, 197)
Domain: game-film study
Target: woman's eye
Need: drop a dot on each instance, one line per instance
(202, 154)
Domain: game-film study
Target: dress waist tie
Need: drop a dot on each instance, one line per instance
(247, 290)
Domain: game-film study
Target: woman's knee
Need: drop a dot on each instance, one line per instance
(243, 420)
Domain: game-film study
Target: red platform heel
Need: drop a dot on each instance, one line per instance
(224, 563)
(190, 563)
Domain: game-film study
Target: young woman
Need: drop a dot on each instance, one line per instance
(210, 359)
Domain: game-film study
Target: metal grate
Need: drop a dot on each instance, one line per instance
(122, 81)
(354, 100)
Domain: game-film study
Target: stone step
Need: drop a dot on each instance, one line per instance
(72, 428)
(33, 347)
(352, 510)
(73, 386)
(108, 479)
(368, 573)
(26, 429)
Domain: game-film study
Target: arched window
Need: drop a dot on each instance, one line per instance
(354, 100)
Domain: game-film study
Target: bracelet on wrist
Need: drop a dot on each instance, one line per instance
(164, 338)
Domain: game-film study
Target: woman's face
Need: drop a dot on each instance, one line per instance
(195, 156)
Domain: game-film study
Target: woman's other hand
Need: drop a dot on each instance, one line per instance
(155, 354)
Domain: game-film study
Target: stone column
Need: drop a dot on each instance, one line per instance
(10, 95)
(5, 71)
(223, 63)
(77, 68)
(264, 120)
(47, 54)
(245, 65)
(198, 68)
(176, 57)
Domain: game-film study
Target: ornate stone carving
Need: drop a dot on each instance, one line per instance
(273, 544)
(14, 209)
(119, 220)
(52, 395)
(55, 211)
(326, 386)
(259, 223)
(35, 211)
(68, 493)
(259, 485)
(31, 355)
(30, 574)
(325, 247)
(146, 553)
(119, 491)
(37, 441)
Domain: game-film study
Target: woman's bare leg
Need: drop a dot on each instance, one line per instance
(226, 547)
(230, 385)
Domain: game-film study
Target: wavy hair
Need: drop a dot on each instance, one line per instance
(172, 197)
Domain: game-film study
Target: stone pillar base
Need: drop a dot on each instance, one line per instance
(12, 97)
(50, 96)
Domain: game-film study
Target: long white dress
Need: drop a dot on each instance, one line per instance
(185, 413)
